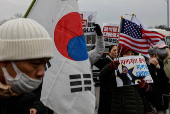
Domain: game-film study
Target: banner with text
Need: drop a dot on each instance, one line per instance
(111, 33)
(88, 18)
(131, 70)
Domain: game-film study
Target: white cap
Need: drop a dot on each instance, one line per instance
(160, 44)
(22, 39)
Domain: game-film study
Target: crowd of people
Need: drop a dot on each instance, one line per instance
(26, 47)
(134, 99)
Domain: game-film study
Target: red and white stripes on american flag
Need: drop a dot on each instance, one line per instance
(136, 38)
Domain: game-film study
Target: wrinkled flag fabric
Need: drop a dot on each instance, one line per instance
(67, 86)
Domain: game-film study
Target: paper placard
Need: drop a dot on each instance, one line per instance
(131, 70)
(88, 18)
(110, 33)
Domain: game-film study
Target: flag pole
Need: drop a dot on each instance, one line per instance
(29, 9)
(120, 28)
(133, 16)
(119, 36)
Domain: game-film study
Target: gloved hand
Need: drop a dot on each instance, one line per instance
(114, 65)
(154, 61)
(144, 85)
(97, 29)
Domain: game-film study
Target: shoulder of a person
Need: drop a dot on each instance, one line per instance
(6, 91)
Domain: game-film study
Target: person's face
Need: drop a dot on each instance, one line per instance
(112, 52)
(128, 53)
(125, 70)
(35, 68)
(152, 56)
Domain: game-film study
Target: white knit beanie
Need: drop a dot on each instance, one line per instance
(23, 39)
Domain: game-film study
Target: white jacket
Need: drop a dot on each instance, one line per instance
(97, 52)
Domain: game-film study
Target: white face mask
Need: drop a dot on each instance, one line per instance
(21, 83)
(161, 51)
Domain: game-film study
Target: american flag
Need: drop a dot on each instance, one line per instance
(136, 38)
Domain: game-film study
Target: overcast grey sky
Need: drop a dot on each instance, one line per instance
(150, 12)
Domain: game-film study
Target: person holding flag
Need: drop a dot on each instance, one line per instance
(129, 99)
(157, 68)
(126, 99)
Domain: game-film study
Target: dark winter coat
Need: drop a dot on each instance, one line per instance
(101, 63)
(160, 86)
(17, 104)
(23, 103)
(125, 100)
(39, 106)
(105, 88)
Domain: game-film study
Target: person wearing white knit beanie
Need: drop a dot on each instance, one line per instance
(25, 47)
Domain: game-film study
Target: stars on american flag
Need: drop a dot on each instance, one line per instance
(132, 29)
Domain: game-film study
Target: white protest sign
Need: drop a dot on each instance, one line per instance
(110, 33)
(130, 71)
(88, 18)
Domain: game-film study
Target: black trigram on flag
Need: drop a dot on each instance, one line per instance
(80, 83)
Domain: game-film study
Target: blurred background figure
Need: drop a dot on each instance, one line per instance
(160, 85)
(163, 55)
(102, 62)
(105, 95)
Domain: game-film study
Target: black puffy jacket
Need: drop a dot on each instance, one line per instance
(101, 63)
(125, 100)
(160, 86)
(17, 105)
(105, 98)
(23, 103)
